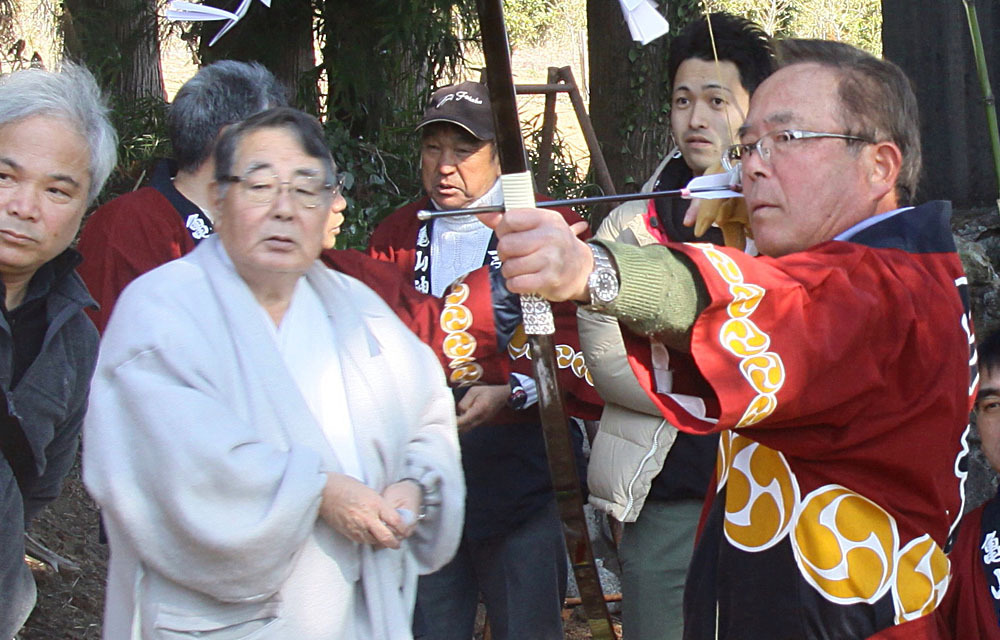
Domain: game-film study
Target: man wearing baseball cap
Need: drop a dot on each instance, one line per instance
(512, 549)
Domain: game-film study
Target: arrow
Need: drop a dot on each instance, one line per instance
(710, 187)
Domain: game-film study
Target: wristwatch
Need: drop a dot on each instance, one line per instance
(518, 397)
(603, 280)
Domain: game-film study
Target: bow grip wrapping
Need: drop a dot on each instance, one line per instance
(536, 312)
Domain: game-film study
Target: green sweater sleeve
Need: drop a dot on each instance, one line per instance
(661, 293)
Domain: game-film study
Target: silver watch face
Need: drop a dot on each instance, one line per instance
(604, 285)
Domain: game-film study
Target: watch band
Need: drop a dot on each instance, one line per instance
(518, 397)
(603, 283)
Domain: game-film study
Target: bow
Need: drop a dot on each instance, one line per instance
(539, 324)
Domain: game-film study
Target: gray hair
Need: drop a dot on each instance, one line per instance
(220, 94)
(70, 93)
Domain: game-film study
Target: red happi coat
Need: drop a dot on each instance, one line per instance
(125, 238)
(144, 229)
(395, 241)
(969, 610)
(842, 382)
(466, 349)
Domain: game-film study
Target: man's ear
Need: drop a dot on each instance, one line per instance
(886, 161)
(217, 195)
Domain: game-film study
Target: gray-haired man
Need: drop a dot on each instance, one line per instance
(57, 148)
(143, 229)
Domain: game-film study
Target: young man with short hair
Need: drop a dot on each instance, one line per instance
(643, 471)
(971, 607)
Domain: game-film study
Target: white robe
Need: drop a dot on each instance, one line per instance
(209, 465)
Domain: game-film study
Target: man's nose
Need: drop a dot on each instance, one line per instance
(448, 161)
(699, 115)
(339, 203)
(754, 165)
(284, 204)
(21, 200)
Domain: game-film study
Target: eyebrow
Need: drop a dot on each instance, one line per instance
(254, 166)
(782, 117)
(706, 87)
(59, 177)
(988, 391)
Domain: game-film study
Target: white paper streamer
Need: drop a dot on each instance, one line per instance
(190, 12)
(645, 23)
(721, 185)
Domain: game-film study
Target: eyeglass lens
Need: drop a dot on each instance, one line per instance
(262, 187)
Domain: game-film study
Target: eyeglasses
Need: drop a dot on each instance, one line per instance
(777, 142)
(261, 186)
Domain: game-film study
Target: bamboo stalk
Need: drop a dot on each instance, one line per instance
(984, 82)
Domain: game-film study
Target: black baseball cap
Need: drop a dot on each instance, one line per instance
(466, 105)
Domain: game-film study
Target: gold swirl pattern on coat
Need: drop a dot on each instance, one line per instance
(566, 356)
(725, 454)
(459, 345)
(458, 294)
(466, 374)
(922, 575)
(743, 338)
(845, 545)
(746, 297)
(455, 318)
(766, 374)
(740, 336)
(761, 495)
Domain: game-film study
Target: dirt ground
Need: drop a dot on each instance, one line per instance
(70, 602)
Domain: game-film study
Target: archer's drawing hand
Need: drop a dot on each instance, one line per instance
(729, 214)
(542, 254)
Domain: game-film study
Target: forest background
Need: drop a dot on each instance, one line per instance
(367, 68)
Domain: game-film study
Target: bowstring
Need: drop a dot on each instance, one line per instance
(718, 73)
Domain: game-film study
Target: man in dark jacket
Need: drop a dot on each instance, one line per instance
(57, 148)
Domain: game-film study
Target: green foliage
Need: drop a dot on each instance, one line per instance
(648, 77)
(773, 16)
(382, 175)
(142, 137)
(529, 21)
(857, 22)
(381, 59)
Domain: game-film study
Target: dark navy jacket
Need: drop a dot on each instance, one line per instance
(40, 420)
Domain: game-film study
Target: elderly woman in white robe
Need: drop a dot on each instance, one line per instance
(275, 454)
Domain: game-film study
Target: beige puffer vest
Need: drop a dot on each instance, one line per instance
(634, 439)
